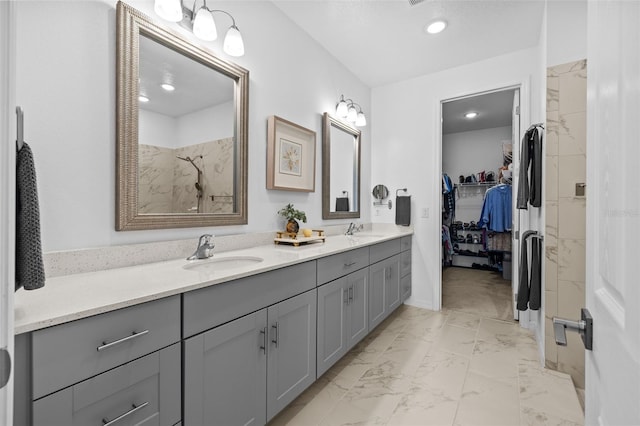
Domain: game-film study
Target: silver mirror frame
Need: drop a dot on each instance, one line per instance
(130, 25)
(327, 122)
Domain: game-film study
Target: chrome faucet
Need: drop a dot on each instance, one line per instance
(205, 248)
(353, 228)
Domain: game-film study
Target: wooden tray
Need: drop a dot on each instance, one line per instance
(299, 239)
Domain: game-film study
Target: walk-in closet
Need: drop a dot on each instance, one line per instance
(477, 202)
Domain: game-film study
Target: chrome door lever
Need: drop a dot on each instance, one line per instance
(584, 327)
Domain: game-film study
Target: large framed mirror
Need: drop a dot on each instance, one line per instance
(340, 169)
(182, 122)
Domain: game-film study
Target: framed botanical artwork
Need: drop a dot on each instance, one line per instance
(291, 156)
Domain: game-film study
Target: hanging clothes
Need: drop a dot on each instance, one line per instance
(496, 214)
(448, 198)
(530, 183)
(530, 286)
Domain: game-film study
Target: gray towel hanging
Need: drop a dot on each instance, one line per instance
(403, 210)
(530, 285)
(29, 264)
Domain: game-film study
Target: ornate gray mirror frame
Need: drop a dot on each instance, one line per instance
(330, 123)
(131, 24)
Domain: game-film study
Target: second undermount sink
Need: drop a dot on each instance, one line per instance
(222, 263)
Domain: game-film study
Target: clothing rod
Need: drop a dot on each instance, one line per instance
(19, 128)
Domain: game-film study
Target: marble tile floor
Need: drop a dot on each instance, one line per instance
(421, 367)
(483, 293)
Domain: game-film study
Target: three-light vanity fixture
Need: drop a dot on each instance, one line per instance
(200, 21)
(346, 109)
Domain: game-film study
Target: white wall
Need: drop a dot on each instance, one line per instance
(157, 129)
(66, 84)
(469, 153)
(566, 31)
(407, 148)
(206, 125)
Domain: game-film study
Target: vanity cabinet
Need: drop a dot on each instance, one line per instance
(384, 281)
(225, 374)
(117, 366)
(142, 392)
(291, 354)
(237, 352)
(246, 370)
(342, 317)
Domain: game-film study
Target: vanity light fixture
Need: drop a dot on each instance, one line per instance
(471, 115)
(346, 109)
(436, 26)
(168, 87)
(143, 98)
(200, 21)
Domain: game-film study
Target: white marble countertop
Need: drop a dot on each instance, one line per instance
(72, 297)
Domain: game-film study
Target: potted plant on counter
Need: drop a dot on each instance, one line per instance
(293, 216)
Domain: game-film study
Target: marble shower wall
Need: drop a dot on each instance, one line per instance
(565, 212)
(155, 187)
(167, 184)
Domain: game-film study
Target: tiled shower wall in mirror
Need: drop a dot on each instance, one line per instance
(167, 183)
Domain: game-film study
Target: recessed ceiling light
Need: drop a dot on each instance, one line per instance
(168, 87)
(436, 26)
(471, 115)
(143, 98)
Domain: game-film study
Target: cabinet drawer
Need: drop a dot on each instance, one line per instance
(69, 353)
(384, 250)
(143, 392)
(405, 263)
(209, 307)
(405, 243)
(341, 264)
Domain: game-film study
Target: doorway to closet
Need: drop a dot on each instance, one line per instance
(479, 134)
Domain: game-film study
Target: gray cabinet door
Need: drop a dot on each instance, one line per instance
(225, 374)
(392, 292)
(357, 286)
(384, 289)
(333, 299)
(292, 350)
(142, 392)
(377, 305)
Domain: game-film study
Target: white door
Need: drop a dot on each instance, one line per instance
(515, 244)
(7, 212)
(613, 212)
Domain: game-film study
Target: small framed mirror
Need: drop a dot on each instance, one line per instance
(340, 169)
(182, 123)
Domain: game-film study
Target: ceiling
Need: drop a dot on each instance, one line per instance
(383, 41)
(494, 110)
(197, 86)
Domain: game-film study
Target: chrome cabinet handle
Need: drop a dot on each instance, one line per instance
(135, 408)
(264, 340)
(275, 326)
(106, 345)
(347, 265)
(351, 294)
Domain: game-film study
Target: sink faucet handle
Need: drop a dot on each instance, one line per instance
(205, 239)
(205, 247)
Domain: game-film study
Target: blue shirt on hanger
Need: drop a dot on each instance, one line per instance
(496, 212)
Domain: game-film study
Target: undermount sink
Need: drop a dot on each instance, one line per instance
(222, 263)
(367, 235)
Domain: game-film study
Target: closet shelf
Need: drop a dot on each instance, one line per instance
(476, 184)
